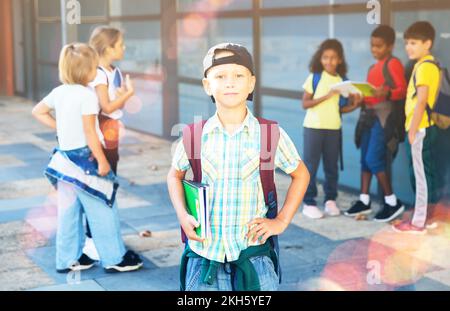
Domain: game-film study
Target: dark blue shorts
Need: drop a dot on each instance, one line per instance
(373, 149)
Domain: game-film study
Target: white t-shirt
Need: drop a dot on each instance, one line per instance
(112, 79)
(71, 103)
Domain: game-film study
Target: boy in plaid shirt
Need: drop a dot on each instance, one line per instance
(238, 255)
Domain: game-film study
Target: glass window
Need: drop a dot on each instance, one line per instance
(93, 8)
(213, 5)
(194, 104)
(143, 42)
(292, 3)
(197, 35)
(49, 41)
(441, 22)
(303, 3)
(288, 44)
(289, 114)
(354, 33)
(49, 8)
(363, 2)
(134, 7)
(144, 111)
(48, 79)
(85, 30)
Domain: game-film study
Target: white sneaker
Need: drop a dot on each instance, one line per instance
(331, 208)
(312, 211)
(431, 225)
(90, 249)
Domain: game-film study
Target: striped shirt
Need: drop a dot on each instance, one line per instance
(230, 166)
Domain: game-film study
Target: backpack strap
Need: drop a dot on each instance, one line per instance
(315, 82)
(389, 81)
(270, 136)
(192, 141)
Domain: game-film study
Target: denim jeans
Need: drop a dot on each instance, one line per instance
(268, 278)
(70, 237)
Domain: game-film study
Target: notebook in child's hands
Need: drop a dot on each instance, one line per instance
(354, 87)
(197, 203)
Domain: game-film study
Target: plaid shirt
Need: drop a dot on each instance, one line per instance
(230, 166)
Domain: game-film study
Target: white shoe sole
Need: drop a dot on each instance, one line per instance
(81, 268)
(332, 214)
(432, 226)
(311, 217)
(395, 215)
(423, 232)
(124, 269)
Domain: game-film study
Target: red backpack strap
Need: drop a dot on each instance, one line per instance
(192, 141)
(270, 136)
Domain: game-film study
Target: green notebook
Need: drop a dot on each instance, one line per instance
(197, 203)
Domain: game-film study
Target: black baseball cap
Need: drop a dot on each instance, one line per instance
(241, 56)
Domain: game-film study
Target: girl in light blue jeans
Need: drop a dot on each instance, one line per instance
(79, 169)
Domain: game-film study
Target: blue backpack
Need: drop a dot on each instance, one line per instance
(440, 113)
(342, 102)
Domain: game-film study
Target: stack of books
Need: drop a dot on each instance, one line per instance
(197, 203)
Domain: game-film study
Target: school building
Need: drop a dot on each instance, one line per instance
(167, 39)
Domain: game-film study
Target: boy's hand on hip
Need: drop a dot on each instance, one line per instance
(265, 228)
(189, 223)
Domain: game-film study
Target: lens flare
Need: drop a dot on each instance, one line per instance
(349, 276)
(194, 25)
(404, 258)
(43, 219)
(122, 131)
(320, 284)
(346, 266)
(110, 130)
(218, 4)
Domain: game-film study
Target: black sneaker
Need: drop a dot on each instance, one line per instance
(131, 262)
(389, 212)
(358, 208)
(83, 263)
